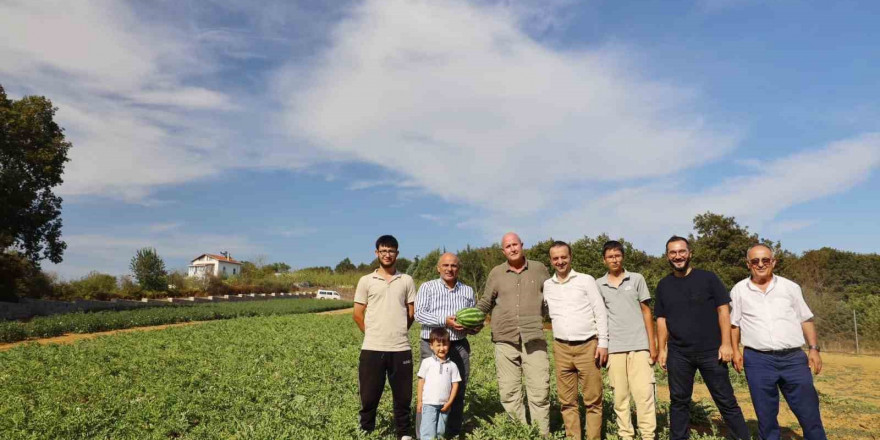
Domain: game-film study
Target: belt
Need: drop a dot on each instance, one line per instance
(563, 341)
(782, 352)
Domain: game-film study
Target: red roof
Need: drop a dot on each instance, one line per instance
(218, 258)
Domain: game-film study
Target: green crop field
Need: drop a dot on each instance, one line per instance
(273, 377)
(55, 325)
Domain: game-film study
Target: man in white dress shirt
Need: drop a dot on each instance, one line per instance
(580, 346)
(769, 313)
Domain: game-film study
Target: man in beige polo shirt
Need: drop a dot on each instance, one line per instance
(383, 310)
(513, 297)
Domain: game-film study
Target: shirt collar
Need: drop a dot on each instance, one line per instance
(755, 288)
(571, 275)
(604, 279)
(443, 283)
(525, 266)
(380, 277)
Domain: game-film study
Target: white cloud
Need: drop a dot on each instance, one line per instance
(459, 98)
(121, 85)
(646, 214)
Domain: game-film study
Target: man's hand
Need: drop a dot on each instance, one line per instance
(601, 356)
(725, 353)
(653, 354)
(445, 408)
(473, 331)
(737, 361)
(661, 358)
(419, 406)
(815, 361)
(453, 324)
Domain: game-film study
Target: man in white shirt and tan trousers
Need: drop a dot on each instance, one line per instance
(770, 314)
(580, 346)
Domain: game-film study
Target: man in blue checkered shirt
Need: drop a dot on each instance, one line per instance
(436, 304)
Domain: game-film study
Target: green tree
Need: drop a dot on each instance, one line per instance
(149, 269)
(33, 152)
(276, 268)
(345, 266)
(720, 245)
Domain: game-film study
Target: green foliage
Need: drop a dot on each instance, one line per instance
(55, 325)
(345, 266)
(720, 246)
(277, 267)
(33, 152)
(259, 378)
(149, 269)
(426, 268)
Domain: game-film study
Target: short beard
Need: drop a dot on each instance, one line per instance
(684, 268)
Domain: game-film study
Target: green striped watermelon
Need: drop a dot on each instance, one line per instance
(470, 317)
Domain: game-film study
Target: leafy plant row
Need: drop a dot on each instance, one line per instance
(56, 325)
(289, 377)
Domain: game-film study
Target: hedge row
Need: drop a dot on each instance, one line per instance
(57, 325)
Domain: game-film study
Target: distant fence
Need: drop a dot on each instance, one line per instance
(28, 308)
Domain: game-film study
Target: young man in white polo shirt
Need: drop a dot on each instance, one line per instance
(580, 347)
(383, 310)
(770, 314)
(632, 346)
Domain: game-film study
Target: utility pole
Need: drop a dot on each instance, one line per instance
(856, 328)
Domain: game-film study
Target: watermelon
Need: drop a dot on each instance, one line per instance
(470, 317)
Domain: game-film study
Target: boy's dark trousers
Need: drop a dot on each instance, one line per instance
(373, 367)
(460, 355)
(681, 368)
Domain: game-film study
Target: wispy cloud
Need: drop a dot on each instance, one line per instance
(460, 99)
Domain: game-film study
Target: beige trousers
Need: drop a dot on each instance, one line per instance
(576, 369)
(630, 373)
(527, 361)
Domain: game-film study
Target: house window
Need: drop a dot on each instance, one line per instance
(224, 269)
(233, 271)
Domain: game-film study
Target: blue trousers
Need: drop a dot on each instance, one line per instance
(768, 373)
(681, 368)
(433, 422)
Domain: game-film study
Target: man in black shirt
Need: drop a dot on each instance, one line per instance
(693, 316)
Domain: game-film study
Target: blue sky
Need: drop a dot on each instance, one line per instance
(299, 132)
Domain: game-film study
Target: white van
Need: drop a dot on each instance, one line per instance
(328, 294)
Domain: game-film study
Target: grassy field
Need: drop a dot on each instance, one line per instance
(293, 377)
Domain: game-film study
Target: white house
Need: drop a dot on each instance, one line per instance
(217, 265)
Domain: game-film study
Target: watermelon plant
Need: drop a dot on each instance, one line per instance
(292, 377)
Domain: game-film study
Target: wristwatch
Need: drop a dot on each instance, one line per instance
(814, 347)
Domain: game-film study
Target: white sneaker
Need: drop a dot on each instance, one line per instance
(406, 437)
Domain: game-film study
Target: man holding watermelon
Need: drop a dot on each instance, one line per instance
(514, 296)
(437, 305)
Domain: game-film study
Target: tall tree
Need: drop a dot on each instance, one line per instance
(149, 269)
(33, 152)
(720, 245)
(345, 266)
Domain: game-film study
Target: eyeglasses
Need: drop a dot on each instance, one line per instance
(755, 261)
(387, 252)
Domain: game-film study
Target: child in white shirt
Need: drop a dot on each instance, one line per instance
(438, 385)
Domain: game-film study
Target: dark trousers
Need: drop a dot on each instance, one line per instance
(460, 355)
(768, 373)
(681, 368)
(373, 367)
